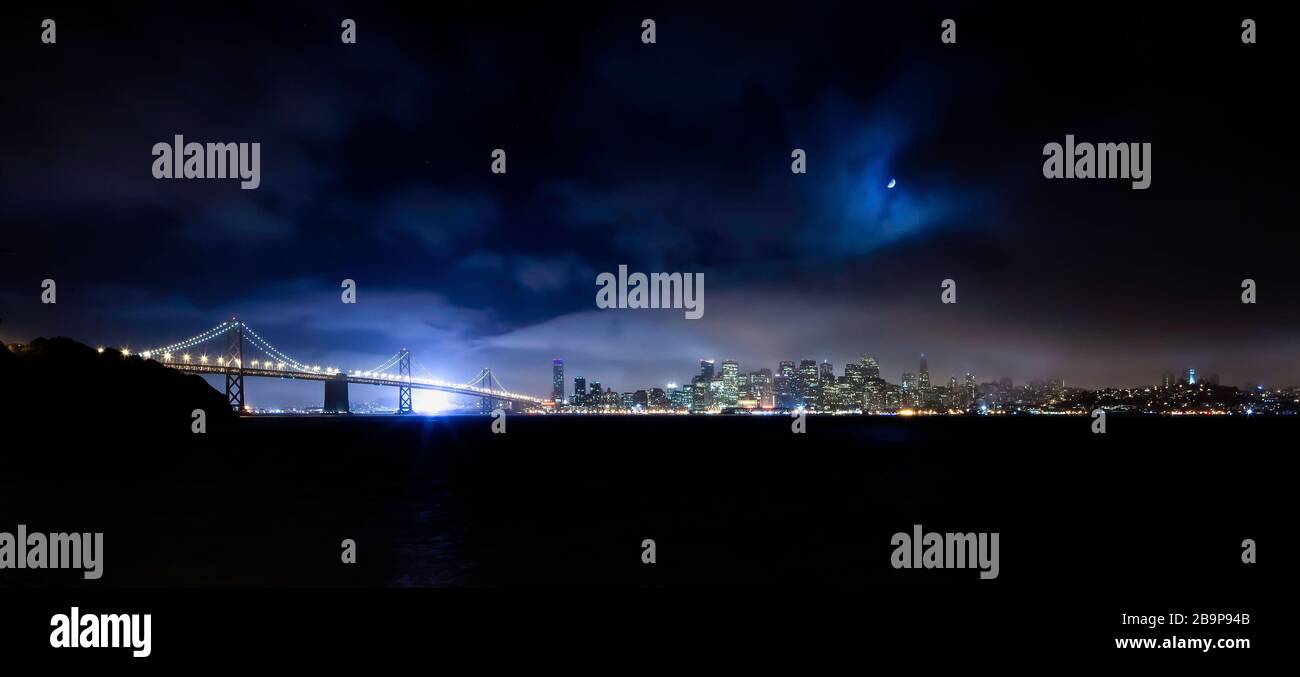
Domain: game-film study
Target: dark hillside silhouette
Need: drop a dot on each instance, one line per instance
(76, 389)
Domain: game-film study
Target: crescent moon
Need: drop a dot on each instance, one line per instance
(891, 183)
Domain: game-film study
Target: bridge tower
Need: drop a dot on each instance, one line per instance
(235, 366)
(404, 391)
(489, 382)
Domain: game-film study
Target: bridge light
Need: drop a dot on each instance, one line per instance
(203, 359)
(101, 351)
(146, 354)
(126, 353)
(186, 357)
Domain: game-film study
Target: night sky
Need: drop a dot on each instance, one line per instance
(375, 166)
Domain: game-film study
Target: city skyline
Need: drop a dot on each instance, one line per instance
(1160, 376)
(863, 386)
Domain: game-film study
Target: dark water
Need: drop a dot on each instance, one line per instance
(737, 501)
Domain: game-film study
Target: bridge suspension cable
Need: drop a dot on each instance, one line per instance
(387, 363)
(271, 350)
(427, 373)
(206, 336)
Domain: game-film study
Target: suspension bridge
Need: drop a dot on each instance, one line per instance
(238, 337)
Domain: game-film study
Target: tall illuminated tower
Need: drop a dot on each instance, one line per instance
(557, 380)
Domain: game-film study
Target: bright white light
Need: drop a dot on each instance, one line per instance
(431, 401)
(892, 183)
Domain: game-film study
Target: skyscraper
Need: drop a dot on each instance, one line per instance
(579, 391)
(924, 393)
(909, 393)
(717, 394)
(706, 369)
(700, 398)
(870, 367)
(874, 397)
(730, 383)
(679, 398)
(806, 388)
(856, 391)
(760, 388)
(826, 386)
(557, 380)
